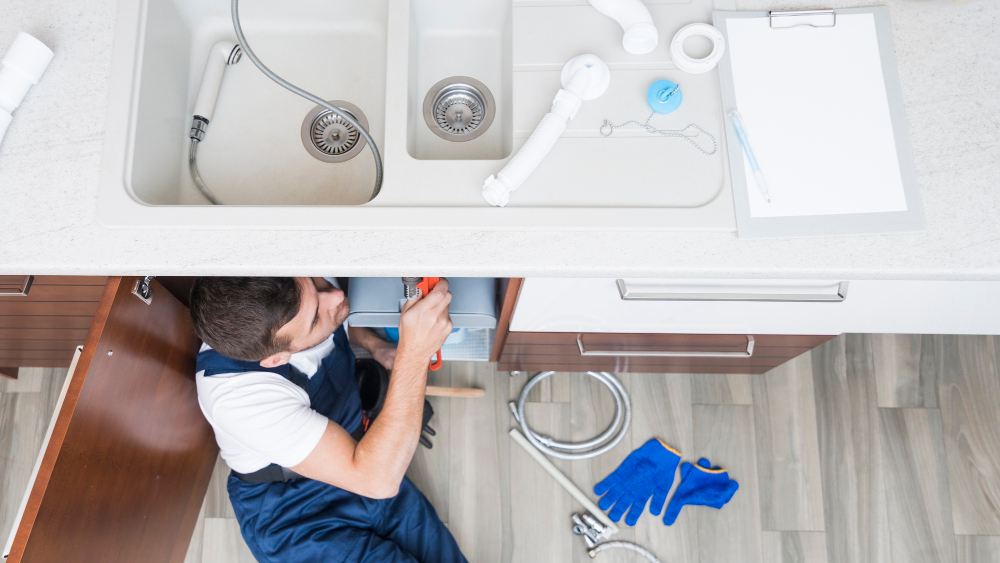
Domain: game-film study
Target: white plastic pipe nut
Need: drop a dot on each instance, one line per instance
(22, 67)
(691, 65)
(640, 33)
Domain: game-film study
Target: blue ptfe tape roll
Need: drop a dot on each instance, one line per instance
(664, 96)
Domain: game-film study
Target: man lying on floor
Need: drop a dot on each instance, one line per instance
(276, 381)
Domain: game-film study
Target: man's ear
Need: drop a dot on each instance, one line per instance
(275, 360)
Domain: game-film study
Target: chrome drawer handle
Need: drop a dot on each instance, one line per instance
(666, 354)
(20, 291)
(788, 297)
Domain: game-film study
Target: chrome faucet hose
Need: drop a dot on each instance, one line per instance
(196, 176)
(312, 98)
(596, 446)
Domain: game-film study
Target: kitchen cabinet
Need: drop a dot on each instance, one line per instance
(44, 318)
(719, 326)
(125, 470)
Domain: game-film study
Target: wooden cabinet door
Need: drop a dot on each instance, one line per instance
(652, 353)
(128, 463)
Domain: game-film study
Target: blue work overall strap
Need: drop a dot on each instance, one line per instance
(332, 392)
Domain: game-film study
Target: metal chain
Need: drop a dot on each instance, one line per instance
(665, 132)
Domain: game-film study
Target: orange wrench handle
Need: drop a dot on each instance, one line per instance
(436, 363)
(425, 286)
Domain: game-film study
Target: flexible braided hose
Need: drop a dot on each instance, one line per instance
(623, 545)
(312, 98)
(608, 439)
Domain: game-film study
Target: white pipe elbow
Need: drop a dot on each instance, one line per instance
(640, 33)
(584, 78)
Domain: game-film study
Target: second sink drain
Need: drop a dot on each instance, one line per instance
(459, 108)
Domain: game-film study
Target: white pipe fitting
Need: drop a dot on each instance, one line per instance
(583, 78)
(640, 33)
(23, 66)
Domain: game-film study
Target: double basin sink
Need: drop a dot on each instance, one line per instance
(450, 90)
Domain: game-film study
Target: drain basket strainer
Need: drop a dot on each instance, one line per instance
(459, 108)
(329, 137)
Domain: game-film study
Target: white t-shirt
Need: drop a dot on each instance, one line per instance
(262, 418)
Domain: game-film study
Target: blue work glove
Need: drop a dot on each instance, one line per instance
(701, 485)
(646, 472)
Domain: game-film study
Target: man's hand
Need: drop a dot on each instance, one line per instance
(424, 323)
(385, 354)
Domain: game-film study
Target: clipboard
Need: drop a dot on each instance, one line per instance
(901, 209)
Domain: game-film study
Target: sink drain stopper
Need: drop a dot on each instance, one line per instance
(459, 108)
(329, 137)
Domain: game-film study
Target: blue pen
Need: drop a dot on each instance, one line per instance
(741, 134)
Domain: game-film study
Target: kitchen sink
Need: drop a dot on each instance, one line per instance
(422, 72)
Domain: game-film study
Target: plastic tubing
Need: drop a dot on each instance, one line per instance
(584, 77)
(640, 33)
(563, 481)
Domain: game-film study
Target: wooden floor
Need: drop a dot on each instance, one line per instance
(871, 448)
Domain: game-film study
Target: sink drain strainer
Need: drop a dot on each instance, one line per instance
(459, 108)
(329, 137)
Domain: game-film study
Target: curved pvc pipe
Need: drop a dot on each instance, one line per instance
(584, 78)
(640, 33)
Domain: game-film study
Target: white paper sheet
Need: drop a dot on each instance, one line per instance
(814, 105)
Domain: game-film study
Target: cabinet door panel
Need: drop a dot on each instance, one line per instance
(126, 469)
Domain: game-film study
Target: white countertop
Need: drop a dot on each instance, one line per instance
(50, 164)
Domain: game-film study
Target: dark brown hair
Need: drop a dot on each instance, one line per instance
(240, 317)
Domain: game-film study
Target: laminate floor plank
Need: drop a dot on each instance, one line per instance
(591, 410)
(721, 389)
(794, 547)
(905, 370)
(29, 380)
(222, 542)
(538, 504)
(552, 389)
(217, 504)
(479, 509)
(22, 429)
(661, 408)
(791, 484)
(725, 435)
(854, 504)
(969, 390)
(916, 476)
(429, 467)
(978, 549)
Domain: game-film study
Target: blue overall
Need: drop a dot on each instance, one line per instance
(306, 521)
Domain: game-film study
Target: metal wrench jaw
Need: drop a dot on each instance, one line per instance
(410, 291)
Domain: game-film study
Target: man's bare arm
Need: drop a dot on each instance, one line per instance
(374, 467)
(384, 352)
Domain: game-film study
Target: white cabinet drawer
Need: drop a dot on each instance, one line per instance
(757, 306)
